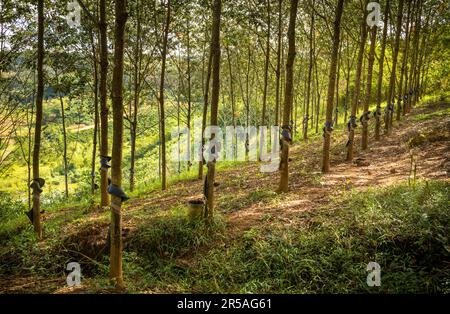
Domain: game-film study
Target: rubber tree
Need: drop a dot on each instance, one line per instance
(310, 68)
(288, 100)
(414, 70)
(215, 55)
(278, 69)
(328, 128)
(137, 60)
(117, 194)
(37, 184)
(351, 126)
(161, 100)
(377, 113)
(365, 116)
(102, 26)
(390, 99)
(205, 108)
(403, 72)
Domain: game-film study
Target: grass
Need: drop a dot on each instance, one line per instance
(403, 228)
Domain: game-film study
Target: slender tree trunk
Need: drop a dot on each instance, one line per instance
(38, 122)
(215, 52)
(347, 86)
(366, 113)
(63, 116)
(115, 269)
(266, 67)
(317, 90)
(336, 110)
(413, 79)
(331, 84)
(161, 100)
(205, 111)
(420, 66)
(278, 70)
(403, 72)
(30, 126)
(103, 102)
(310, 68)
(96, 113)
(356, 96)
(288, 99)
(233, 103)
(389, 112)
(189, 89)
(137, 88)
(381, 72)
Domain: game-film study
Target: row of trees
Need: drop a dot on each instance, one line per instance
(261, 61)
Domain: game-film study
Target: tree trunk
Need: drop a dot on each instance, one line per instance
(96, 113)
(161, 100)
(205, 111)
(404, 71)
(266, 68)
(365, 116)
(288, 99)
(115, 269)
(278, 70)
(331, 84)
(336, 110)
(63, 116)
(233, 103)
(38, 122)
(215, 53)
(352, 122)
(188, 122)
(103, 103)
(389, 112)
(310, 68)
(380, 72)
(414, 71)
(137, 88)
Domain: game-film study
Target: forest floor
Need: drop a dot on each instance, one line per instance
(166, 253)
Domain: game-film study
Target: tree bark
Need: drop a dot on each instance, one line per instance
(215, 53)
(404, 71)
(137, 88)
(288, 99)
(115, 269)
(63, 116)
(278, 70)
(414, 71)
(356, 96)
(331, 84)
(365, 116)
(103, 102)
(161, 100)
(96, 113)
(310, 68)
(266, 67)
(189, 111)
(38, 122)
(390, 100)
(380, 72)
